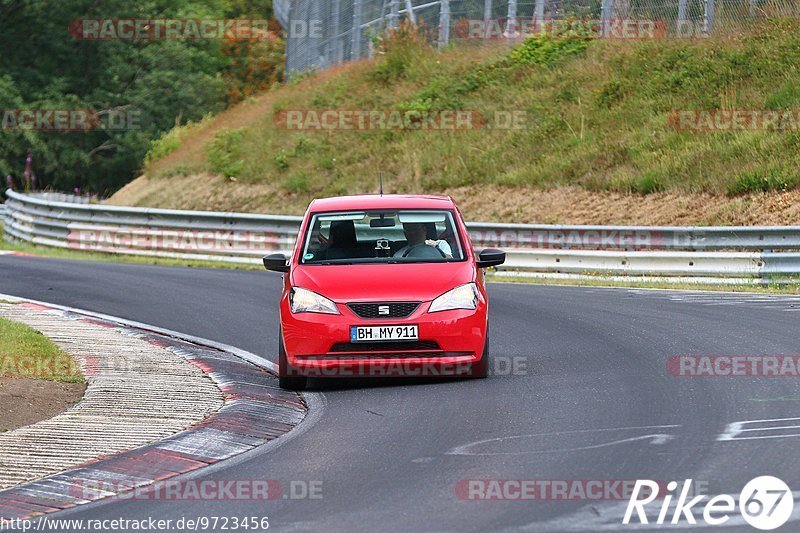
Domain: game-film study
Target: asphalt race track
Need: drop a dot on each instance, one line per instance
(591, 399)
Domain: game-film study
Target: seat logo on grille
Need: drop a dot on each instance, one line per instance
(383, 309)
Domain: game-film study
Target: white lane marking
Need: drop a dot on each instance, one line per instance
(734, 429)
(776, 302)
(654, 438)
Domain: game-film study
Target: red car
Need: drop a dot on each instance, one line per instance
(381, 286)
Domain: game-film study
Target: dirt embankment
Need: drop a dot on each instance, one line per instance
(495, 203)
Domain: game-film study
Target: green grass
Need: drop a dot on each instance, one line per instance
(597, 116)
(26, 353)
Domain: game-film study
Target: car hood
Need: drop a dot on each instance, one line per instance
(402, 282)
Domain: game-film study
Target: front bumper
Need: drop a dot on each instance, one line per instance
(451, 343)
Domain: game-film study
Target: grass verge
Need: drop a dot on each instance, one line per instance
(26, 353)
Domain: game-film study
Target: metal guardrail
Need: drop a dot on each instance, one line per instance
(741, 252)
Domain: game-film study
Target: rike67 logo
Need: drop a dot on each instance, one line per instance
(765, 503)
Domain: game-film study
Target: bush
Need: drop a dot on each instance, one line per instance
(171, 140)
(547, 51)
(401, 50)
(225, 152)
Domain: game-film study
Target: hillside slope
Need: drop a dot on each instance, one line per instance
(599, 143)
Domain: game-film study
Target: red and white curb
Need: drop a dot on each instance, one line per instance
(254, 412)
(137, 393)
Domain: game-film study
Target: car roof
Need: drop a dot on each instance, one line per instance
(386, 201)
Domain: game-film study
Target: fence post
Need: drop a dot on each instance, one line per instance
(606, 15)
(538, 14)
(411, 15)
(511, 25)
(355, 53)
(313, 41)
(292, 50)
(752, 8)
(301, 35)
(394, 15)
(681, 10)
(681, 22)
(338, 48)
(444, 23)
(487, 11)
(708, 21)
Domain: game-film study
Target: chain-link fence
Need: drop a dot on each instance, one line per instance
(325, 33)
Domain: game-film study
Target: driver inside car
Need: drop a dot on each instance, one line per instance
(418, 244)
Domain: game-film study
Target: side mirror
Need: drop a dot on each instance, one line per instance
(491, 257)
(276, 263)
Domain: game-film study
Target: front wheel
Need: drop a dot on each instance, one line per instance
(286, 380)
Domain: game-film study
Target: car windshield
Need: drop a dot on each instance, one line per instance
(401, 236)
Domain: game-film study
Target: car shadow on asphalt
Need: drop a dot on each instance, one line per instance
(335, 384)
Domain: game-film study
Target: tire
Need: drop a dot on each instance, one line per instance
(286, 380)
(481, 370)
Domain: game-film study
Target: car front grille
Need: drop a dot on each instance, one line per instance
(383, 309)
(393, 346)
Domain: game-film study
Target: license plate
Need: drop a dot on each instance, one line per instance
(383, 333)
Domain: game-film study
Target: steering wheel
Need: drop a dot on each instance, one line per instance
(408, 253)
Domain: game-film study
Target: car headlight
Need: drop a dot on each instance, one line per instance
(305, 301)
(462, 297)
